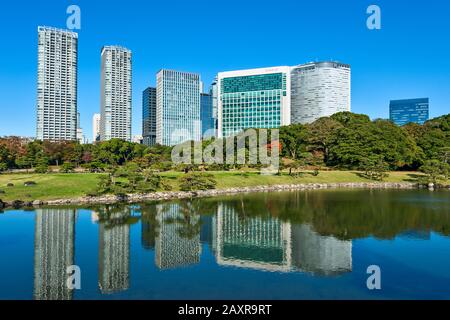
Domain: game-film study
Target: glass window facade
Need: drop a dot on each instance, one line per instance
(207, 117)
(177, 107)
(149, 116)
(411, 110)
(253, 101)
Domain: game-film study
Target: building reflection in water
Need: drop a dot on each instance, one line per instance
(257, 243)
(53, 253)
(114, 250)
(178, 237)
(321, 255)
(269, 244)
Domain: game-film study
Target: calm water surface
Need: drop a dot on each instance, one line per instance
(290, 245)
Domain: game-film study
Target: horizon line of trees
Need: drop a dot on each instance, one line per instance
(342, 141)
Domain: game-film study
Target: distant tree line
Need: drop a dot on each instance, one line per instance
(342, 141)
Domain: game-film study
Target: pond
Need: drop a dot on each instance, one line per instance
(284, 245)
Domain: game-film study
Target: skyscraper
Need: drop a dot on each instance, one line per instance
(320, 90)
(57, 85)
(96, 127)
(116, 91)
(149, 116)
(80, 136)
(411, 110)
(177, 107)
(214, 92)
(208, 121)
(257, 98)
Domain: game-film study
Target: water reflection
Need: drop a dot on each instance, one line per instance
(285, 233)
(257, 243)
(178, 237)
(114, 250)
(322, 255)
(53, 253)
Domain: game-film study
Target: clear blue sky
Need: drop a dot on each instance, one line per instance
(408, 58)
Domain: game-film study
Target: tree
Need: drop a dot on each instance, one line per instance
(67, 167)
(375, 168)
(436, 171)
(293, 140)
(195, 181)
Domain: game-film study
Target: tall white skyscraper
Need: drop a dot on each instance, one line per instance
(177, 107)
(57, 85)
(319, 90)
(116, 92)
(96, 127)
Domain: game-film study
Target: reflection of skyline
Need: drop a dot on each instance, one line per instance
(318, 254)
(272, 245)
(53, 253)
(172, 250)
(114, 253)
(255, 243)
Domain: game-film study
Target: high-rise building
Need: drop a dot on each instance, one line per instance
(207, 118)
(57, 85)
(257, 98)
(149, 116)
(411, 110)
(177, 107)
(80, 136)
(116, 92)
(319, 90)
(214, 92)
(96, 127)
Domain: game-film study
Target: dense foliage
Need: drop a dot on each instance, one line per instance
(344, 140)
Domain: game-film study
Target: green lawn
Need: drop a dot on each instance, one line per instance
(62, 186)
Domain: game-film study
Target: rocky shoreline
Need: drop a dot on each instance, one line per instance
(172, 195)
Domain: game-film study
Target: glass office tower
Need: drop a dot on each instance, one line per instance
(257, 98)
(411, 110)
(149, 116)
(207, 118)
(177, 107)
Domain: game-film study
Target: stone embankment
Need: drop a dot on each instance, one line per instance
(172, 195)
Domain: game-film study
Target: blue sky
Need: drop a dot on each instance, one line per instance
(408, 58)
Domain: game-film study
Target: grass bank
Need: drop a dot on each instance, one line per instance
(67, 186)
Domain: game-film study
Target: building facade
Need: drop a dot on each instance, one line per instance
(214, 92)
(410, 110)
(256, 98)
(116, 90)
(177, 107)
(57, 85)
(207, 116)
(96, 127)
(319, 90)
(149, 116)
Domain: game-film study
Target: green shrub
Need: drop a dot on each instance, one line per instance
(43, 168)
(67, 167)
(195, 181)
